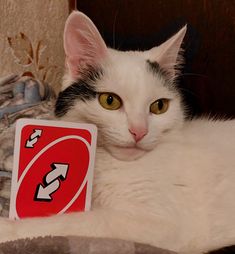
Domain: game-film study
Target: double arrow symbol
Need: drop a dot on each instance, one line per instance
(51, 182)
(33, 139)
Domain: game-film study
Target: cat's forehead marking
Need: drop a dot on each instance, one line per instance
(135, 63)
(133, 73)
(155, 68)
(77, 91)
(83, 89)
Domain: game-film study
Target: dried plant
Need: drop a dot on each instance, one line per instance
(32, 59)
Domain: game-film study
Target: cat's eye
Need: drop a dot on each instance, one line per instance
(110, 101)
(159, 106)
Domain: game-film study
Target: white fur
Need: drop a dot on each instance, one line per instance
(177, 189)
(179, 196)
(126, 75)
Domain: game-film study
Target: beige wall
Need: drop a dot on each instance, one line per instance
(31, 38)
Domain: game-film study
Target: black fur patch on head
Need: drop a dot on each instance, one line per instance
(77, 91)
(90, 74)
(155, 68)
(83, 89)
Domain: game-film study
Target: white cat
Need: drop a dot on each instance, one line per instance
(158, 178)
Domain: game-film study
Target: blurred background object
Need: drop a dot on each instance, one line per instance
(31, 39)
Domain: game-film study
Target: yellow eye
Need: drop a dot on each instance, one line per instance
(159, 106)
(110, 101)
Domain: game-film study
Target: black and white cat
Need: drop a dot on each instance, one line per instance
(158, 178)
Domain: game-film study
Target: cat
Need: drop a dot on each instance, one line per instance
(159, 179)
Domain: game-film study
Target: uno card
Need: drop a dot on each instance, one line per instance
(53, 168)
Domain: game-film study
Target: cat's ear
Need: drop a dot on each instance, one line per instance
(167, 55)
(83, 44)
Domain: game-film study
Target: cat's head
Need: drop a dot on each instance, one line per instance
(130, 96)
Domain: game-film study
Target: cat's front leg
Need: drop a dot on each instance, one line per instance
(82, 224)
(99, 223)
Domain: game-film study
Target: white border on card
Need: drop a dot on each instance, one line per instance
(12, 212)
(90, 172)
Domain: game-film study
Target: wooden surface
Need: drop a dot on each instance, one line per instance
(208, 77)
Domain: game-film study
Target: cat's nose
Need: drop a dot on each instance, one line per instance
(138, 134)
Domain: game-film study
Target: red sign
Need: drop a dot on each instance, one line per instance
(53, 168)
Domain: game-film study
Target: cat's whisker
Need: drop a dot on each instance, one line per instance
(114, 28)
(188, 91)
(194, 74)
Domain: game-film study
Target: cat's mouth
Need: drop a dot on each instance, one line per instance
(134, 147)
(126, 153)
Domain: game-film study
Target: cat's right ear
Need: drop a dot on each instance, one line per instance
(83, 44)
(168, 54)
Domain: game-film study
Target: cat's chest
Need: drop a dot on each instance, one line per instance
(151, 182)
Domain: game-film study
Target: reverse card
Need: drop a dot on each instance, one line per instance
(53, 168)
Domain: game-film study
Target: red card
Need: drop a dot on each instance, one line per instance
(53, 168)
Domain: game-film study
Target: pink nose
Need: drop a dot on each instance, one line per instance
(138, 134)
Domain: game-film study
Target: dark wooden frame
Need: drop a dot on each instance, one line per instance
(72, 5)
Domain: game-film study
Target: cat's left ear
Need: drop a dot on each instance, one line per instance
(167, 55)
(83, 44)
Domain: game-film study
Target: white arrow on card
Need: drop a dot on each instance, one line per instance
(44, 193)
(36, 134)
(33, 138)
(59, 171)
